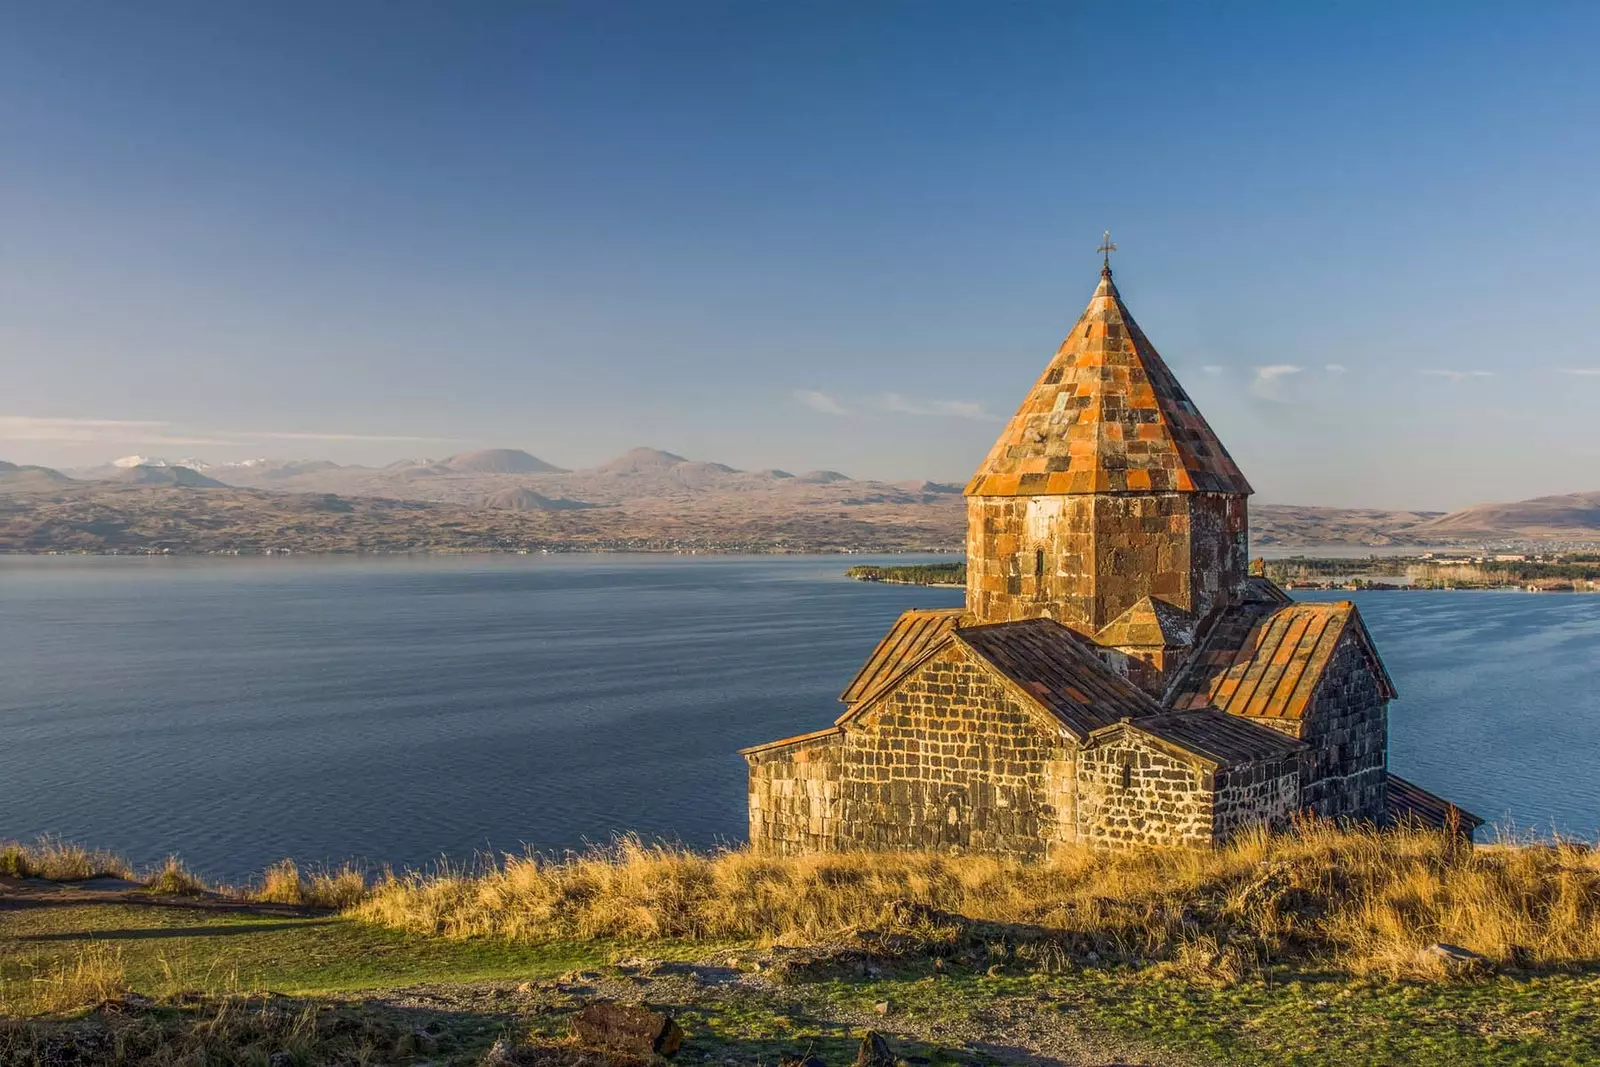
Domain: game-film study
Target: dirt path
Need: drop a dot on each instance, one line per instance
(38, 893)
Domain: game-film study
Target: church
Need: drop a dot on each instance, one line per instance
(1118, 676)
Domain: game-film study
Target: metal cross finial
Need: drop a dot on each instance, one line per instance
(1105, 249)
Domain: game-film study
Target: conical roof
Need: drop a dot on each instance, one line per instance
(1107, 417)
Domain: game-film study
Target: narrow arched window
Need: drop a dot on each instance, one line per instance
(1038, 562)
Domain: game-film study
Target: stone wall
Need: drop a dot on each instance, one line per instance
(1133, 791)
(1347, 727)
(794, 795)
(953, 761)
(1255, 794)
(1083, 559)
(1150, 667)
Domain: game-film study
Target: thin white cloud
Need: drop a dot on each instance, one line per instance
(1582, 372)
(1274, 371)
(1269, 381)
(286, 435)
(153, 432)
(955, 409)
(1458, 376)
(87, 431)
(817, 400)
(1336, 368)
(1213, 368)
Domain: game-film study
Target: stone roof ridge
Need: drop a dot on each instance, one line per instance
(917, 632)
(1107, 416)
(790, 742)
(1058, 670)
(1149, 622)
(1259, 587)
(1408, 804)
(1217, 738)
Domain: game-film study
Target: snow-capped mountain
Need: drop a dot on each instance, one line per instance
(196, 464)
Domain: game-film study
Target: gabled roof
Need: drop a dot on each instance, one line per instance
(913, 635)
(1059, 671)
(1411, 805)
(1107, 416)
(791, 742)
(1219, 739)
(1149, 623)
(1264, 659)
(1260, 587)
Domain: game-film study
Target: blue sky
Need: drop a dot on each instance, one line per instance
(1366, 236)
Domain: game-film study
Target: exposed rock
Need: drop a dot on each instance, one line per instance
(875, 1051)
(1454, 959)
(627, 1028)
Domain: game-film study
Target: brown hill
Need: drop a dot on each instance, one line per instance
(822, 477)
(1573, 516)
(179, 476)
(498, 461)
(102, 516)
(15, 477)
(1293, 525)
(653, 495)
(528, 500)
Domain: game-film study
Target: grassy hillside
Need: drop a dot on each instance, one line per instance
(1314, 948)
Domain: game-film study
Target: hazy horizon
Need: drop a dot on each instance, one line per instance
(835, 237)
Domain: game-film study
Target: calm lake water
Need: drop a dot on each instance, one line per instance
(400, 710)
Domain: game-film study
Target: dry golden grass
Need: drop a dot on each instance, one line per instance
(1361, 900)
(236, 1031)
(59, 861)
(284, 883)
(174, 879)
(95, 974)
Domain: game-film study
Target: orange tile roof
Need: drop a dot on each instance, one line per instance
(913, 635)
(1107, 416)
(1264, 659)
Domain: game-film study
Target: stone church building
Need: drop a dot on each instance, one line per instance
(1117, 676)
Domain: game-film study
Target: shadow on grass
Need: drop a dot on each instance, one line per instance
(154, 932)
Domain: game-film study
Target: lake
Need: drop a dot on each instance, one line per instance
(405, 709)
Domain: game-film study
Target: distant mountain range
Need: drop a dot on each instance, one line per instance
(481, 478)
(508, 498)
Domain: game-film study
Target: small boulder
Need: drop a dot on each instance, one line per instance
(627, 1028)
(1454, 959)
(883, 1007)
(875, 1051)
(500, 1054)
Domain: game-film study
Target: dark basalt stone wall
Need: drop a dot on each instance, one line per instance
(951, 760)
(794, 796)
(1347, 727)
(1132, 791)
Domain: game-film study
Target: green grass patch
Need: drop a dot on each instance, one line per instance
(1281, 1020)
(169, 949)
(1283, 1017)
